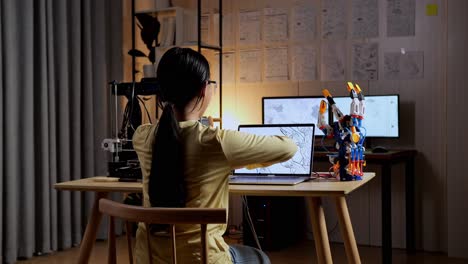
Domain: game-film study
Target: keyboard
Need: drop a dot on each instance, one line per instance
(279, 180)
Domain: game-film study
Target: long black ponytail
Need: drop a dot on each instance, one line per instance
(181, 74)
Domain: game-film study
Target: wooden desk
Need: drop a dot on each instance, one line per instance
(313, 190)
(387, 160)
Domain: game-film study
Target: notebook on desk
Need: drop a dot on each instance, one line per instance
(290, 172)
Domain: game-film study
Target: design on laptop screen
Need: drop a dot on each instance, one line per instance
(300, 164)
(294, 110)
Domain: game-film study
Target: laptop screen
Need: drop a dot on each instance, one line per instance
(300, 164)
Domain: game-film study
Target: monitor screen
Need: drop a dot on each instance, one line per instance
(292, 110)
(300, 164)
(381, 118)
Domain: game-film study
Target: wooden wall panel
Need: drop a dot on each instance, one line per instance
(420, 99)
(457, 95)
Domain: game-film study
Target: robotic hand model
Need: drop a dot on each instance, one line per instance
(347, 131)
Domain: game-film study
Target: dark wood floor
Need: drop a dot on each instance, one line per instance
(303, 252)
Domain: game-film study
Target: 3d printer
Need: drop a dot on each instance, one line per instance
(124, 162)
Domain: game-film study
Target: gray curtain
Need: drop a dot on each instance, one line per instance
(56, 57)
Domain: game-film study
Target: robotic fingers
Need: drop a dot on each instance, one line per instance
(347, 132)
(336, 111)
(321, 120)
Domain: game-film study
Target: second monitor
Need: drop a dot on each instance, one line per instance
(381, 117)
(292, 110)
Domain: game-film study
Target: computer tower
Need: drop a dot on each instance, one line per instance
(278, 221)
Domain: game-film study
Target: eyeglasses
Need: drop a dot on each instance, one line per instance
(213, 84)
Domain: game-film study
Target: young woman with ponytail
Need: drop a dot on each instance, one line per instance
(187, 164)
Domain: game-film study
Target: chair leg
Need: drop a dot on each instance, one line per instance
(148, 240)
(203, 242)
(174, 250)
(111, 255)
(128, 227)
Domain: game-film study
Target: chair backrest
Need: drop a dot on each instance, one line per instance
(157, 215)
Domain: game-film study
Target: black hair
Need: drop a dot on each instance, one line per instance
(182, 73)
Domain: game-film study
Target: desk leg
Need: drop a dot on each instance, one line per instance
(347, 230)
(91, 230)
(319, 227)
(409, 173)
(386, 183)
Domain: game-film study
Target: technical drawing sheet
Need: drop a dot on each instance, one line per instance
(275, 24)
(304, 23)
(401, 18)
(304, 63)
(365, 61)
(250, 66)
(228, 67)
(228, 32)
(365, 18)
(407, 65)
(205, 28)
(276, 64)
(249, 27)
(333, 61)
(333, 19)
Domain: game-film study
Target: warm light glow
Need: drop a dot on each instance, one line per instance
(213, 107)
(230, 121)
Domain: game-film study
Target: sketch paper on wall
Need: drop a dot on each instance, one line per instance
(333, 61)
(401, 18)
(399, 66)
(365, 61)
(228, 32)
(228, 67)
(205, 28)
(333, 19)
(249, 28)
(275, 24)
(276, 64)
(304, 63)
(365, 18)
(303, 25)
(250, 66)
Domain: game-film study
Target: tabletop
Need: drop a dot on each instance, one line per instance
(318, 187)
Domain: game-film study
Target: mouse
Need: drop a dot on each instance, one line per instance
(379, 149)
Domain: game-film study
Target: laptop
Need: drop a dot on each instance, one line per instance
(290, 172)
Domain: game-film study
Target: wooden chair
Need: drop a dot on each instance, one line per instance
(156, 215)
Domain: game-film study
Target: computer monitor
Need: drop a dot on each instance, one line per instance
(381, 119)
(292, 110)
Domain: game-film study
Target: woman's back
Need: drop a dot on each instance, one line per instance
(210, 155)
(206, 187)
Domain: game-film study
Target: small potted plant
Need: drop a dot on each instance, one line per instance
(149, 27)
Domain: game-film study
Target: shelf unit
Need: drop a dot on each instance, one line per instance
(180, 41)
(218, 48)
(177, 13)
